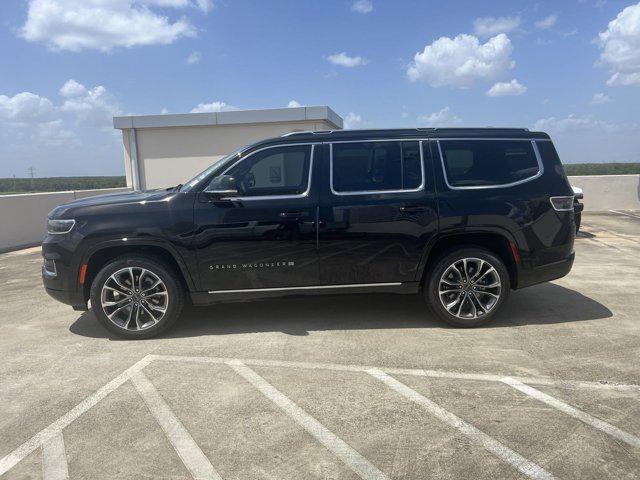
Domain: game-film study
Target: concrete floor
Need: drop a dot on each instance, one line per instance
(301, 405)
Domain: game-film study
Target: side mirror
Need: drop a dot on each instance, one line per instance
(222, 186)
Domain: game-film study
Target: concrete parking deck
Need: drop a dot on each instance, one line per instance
(334, 387)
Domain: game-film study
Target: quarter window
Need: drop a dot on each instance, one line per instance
(488, 162)
(376, 166)
(274, 171)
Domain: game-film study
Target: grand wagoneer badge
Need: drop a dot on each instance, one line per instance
(245, 266)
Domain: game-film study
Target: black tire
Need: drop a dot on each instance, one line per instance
(158, 268)
(578, 219)
(431, 287)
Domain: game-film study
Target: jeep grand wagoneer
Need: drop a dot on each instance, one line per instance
(461, 216)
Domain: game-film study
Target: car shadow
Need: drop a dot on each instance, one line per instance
(542, 304)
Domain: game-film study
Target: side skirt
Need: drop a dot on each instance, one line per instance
(217, 296)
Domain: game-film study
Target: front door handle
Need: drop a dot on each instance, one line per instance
(291, 215)
(413, 209)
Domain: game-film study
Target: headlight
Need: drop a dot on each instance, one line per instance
(57, 227)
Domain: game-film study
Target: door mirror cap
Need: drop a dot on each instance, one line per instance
(222, 186)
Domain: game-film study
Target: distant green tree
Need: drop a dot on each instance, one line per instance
(58, 184)
(601, 168)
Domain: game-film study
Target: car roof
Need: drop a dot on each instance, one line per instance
(401, 133)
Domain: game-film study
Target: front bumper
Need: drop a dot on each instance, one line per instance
(61, 281)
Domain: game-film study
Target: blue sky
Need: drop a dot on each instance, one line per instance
(569, 67)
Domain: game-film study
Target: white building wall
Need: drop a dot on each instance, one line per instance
(172, 155)
(24, 216)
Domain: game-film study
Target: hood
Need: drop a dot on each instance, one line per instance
(120, 198)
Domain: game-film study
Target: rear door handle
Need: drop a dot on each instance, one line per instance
(413, 209)
(291, 215)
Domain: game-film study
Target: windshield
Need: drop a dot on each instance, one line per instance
(204, 174)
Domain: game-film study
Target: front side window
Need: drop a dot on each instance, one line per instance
(376, 167)
(473, 163)
(274, 171)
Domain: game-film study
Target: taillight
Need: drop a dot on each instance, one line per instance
(562, 204)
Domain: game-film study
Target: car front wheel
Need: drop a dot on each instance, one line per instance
(467, 287)
(136, 297)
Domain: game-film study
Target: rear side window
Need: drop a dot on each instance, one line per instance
(474, 163)
(360, 167)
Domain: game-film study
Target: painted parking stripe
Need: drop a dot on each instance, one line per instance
(625, 213)
(56, 427)
(501, 451)
(483, 377)
(37, 440)
(54, 459)
(574, 412)
(188, 450)
(332, 442)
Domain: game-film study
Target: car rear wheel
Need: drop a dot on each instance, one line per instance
(137, 297)
(467, 287)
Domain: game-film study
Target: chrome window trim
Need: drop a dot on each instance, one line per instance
(310, 287)
(502, 185)
(426, 139)
(277, 197)
(376, 192)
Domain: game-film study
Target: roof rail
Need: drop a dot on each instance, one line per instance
(308, 132)
(300, 132)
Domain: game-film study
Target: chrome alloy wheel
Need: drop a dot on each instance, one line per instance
(469, 288)
(134, 298)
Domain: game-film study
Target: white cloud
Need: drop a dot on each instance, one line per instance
(547, 22)
(352, 120)
(164, 111)
(91, 106)
(204, 5)
(71, 88)
(56, 136)
(501, 89)
(213, 107)
(193, 58)
(441, 118)
(362, 6)
(53, 134)
(462, 60)
(490, 26)
(574, 122)
(348, 61)
(25, 108)
(620, 44)
(77, 25)
(599, 99)
(294, 104)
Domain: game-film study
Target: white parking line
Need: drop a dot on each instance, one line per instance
(344, 452)
(54, 459)
(188, 450)
(574, 412)
(56, 427)
(625, 213)
(484, 377)
(501, 451)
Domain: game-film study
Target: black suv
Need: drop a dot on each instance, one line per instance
(461, 215)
